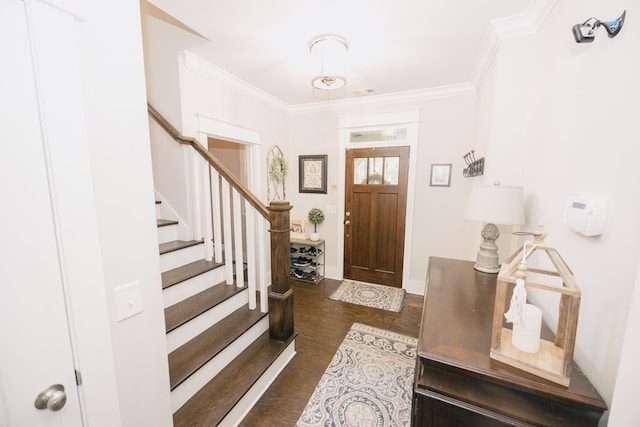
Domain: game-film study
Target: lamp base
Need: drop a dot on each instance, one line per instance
(487, 259)
(485, 269)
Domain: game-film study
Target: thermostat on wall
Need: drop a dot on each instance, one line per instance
(585, 216)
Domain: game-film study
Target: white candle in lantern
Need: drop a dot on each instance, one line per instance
(526, 335)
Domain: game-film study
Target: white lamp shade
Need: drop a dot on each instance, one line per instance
(496, 204)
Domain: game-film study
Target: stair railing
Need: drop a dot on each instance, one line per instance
(217, 186)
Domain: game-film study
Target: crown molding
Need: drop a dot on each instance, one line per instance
(198, 65)
(499, 30)
(502, 29)
(387, 99)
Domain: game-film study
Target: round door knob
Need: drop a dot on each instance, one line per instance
(53, 398)
(347, 222)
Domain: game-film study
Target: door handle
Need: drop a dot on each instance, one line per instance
(347, 222)
(53, 398)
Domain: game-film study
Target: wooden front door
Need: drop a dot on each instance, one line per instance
(375, 208)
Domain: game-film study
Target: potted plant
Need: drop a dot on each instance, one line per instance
(316, 216)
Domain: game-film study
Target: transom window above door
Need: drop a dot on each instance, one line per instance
(376, 170)
(389, 134)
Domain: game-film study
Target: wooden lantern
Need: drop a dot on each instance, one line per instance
(554, 359)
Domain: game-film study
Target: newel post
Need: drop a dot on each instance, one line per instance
(280, 292)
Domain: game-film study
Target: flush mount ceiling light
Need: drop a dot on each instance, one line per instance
(332, 52)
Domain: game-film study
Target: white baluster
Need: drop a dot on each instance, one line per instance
(251, 255)
(263, 225)
(217, 222)
(237, 241)
(226, 223)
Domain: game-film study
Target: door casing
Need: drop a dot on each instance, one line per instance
(410, 120)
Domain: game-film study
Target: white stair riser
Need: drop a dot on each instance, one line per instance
(183, 290)
(195, 382)
(244, 405)
(175, 259)
(196, 326)
(167, 233)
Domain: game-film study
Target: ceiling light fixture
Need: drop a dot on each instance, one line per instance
(332, 51)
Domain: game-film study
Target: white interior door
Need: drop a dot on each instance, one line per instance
(36, 344)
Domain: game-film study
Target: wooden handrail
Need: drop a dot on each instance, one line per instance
(222, 170)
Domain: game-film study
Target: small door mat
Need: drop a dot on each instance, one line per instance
(370, 295)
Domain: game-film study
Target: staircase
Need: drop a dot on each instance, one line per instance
(221, 356)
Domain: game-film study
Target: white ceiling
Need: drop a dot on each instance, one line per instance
(394, 46)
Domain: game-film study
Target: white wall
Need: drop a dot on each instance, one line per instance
(561, 119)
(624, 408)
(163, 41)
(118, 132)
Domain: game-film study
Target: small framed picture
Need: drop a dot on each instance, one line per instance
(312, 174)
(440, 175)
(298, 230)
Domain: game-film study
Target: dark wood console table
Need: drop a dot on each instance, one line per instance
(458, 384)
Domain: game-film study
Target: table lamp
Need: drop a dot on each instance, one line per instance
(493, 204)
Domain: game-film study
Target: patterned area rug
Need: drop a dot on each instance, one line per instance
(370, 295)
(368, 383)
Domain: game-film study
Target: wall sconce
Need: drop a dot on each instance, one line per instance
(585, 32)
(332, 51)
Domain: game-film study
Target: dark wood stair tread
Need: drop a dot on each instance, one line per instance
(190, 308)
(216, 399)
(175, 245)
(190, 357)
(165, 222)
(187, 271)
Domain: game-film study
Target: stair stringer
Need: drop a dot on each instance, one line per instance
(181, 394)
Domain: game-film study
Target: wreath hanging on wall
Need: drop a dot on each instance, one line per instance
(277, 169)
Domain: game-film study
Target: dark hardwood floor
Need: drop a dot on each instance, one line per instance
(321, 324)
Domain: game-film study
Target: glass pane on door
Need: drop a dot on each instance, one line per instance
(375, 170)
(391, 167)
(360, 171)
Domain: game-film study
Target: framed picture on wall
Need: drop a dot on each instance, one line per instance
(440, 175)
(312, 174)
(298, 229)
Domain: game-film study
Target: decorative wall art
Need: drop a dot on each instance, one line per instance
(312, 174)
(298, 229)
(440, 175)
(277, 169)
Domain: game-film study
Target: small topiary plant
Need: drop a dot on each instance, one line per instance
(316, 216)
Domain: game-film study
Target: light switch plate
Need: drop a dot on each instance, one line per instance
(128, 300)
